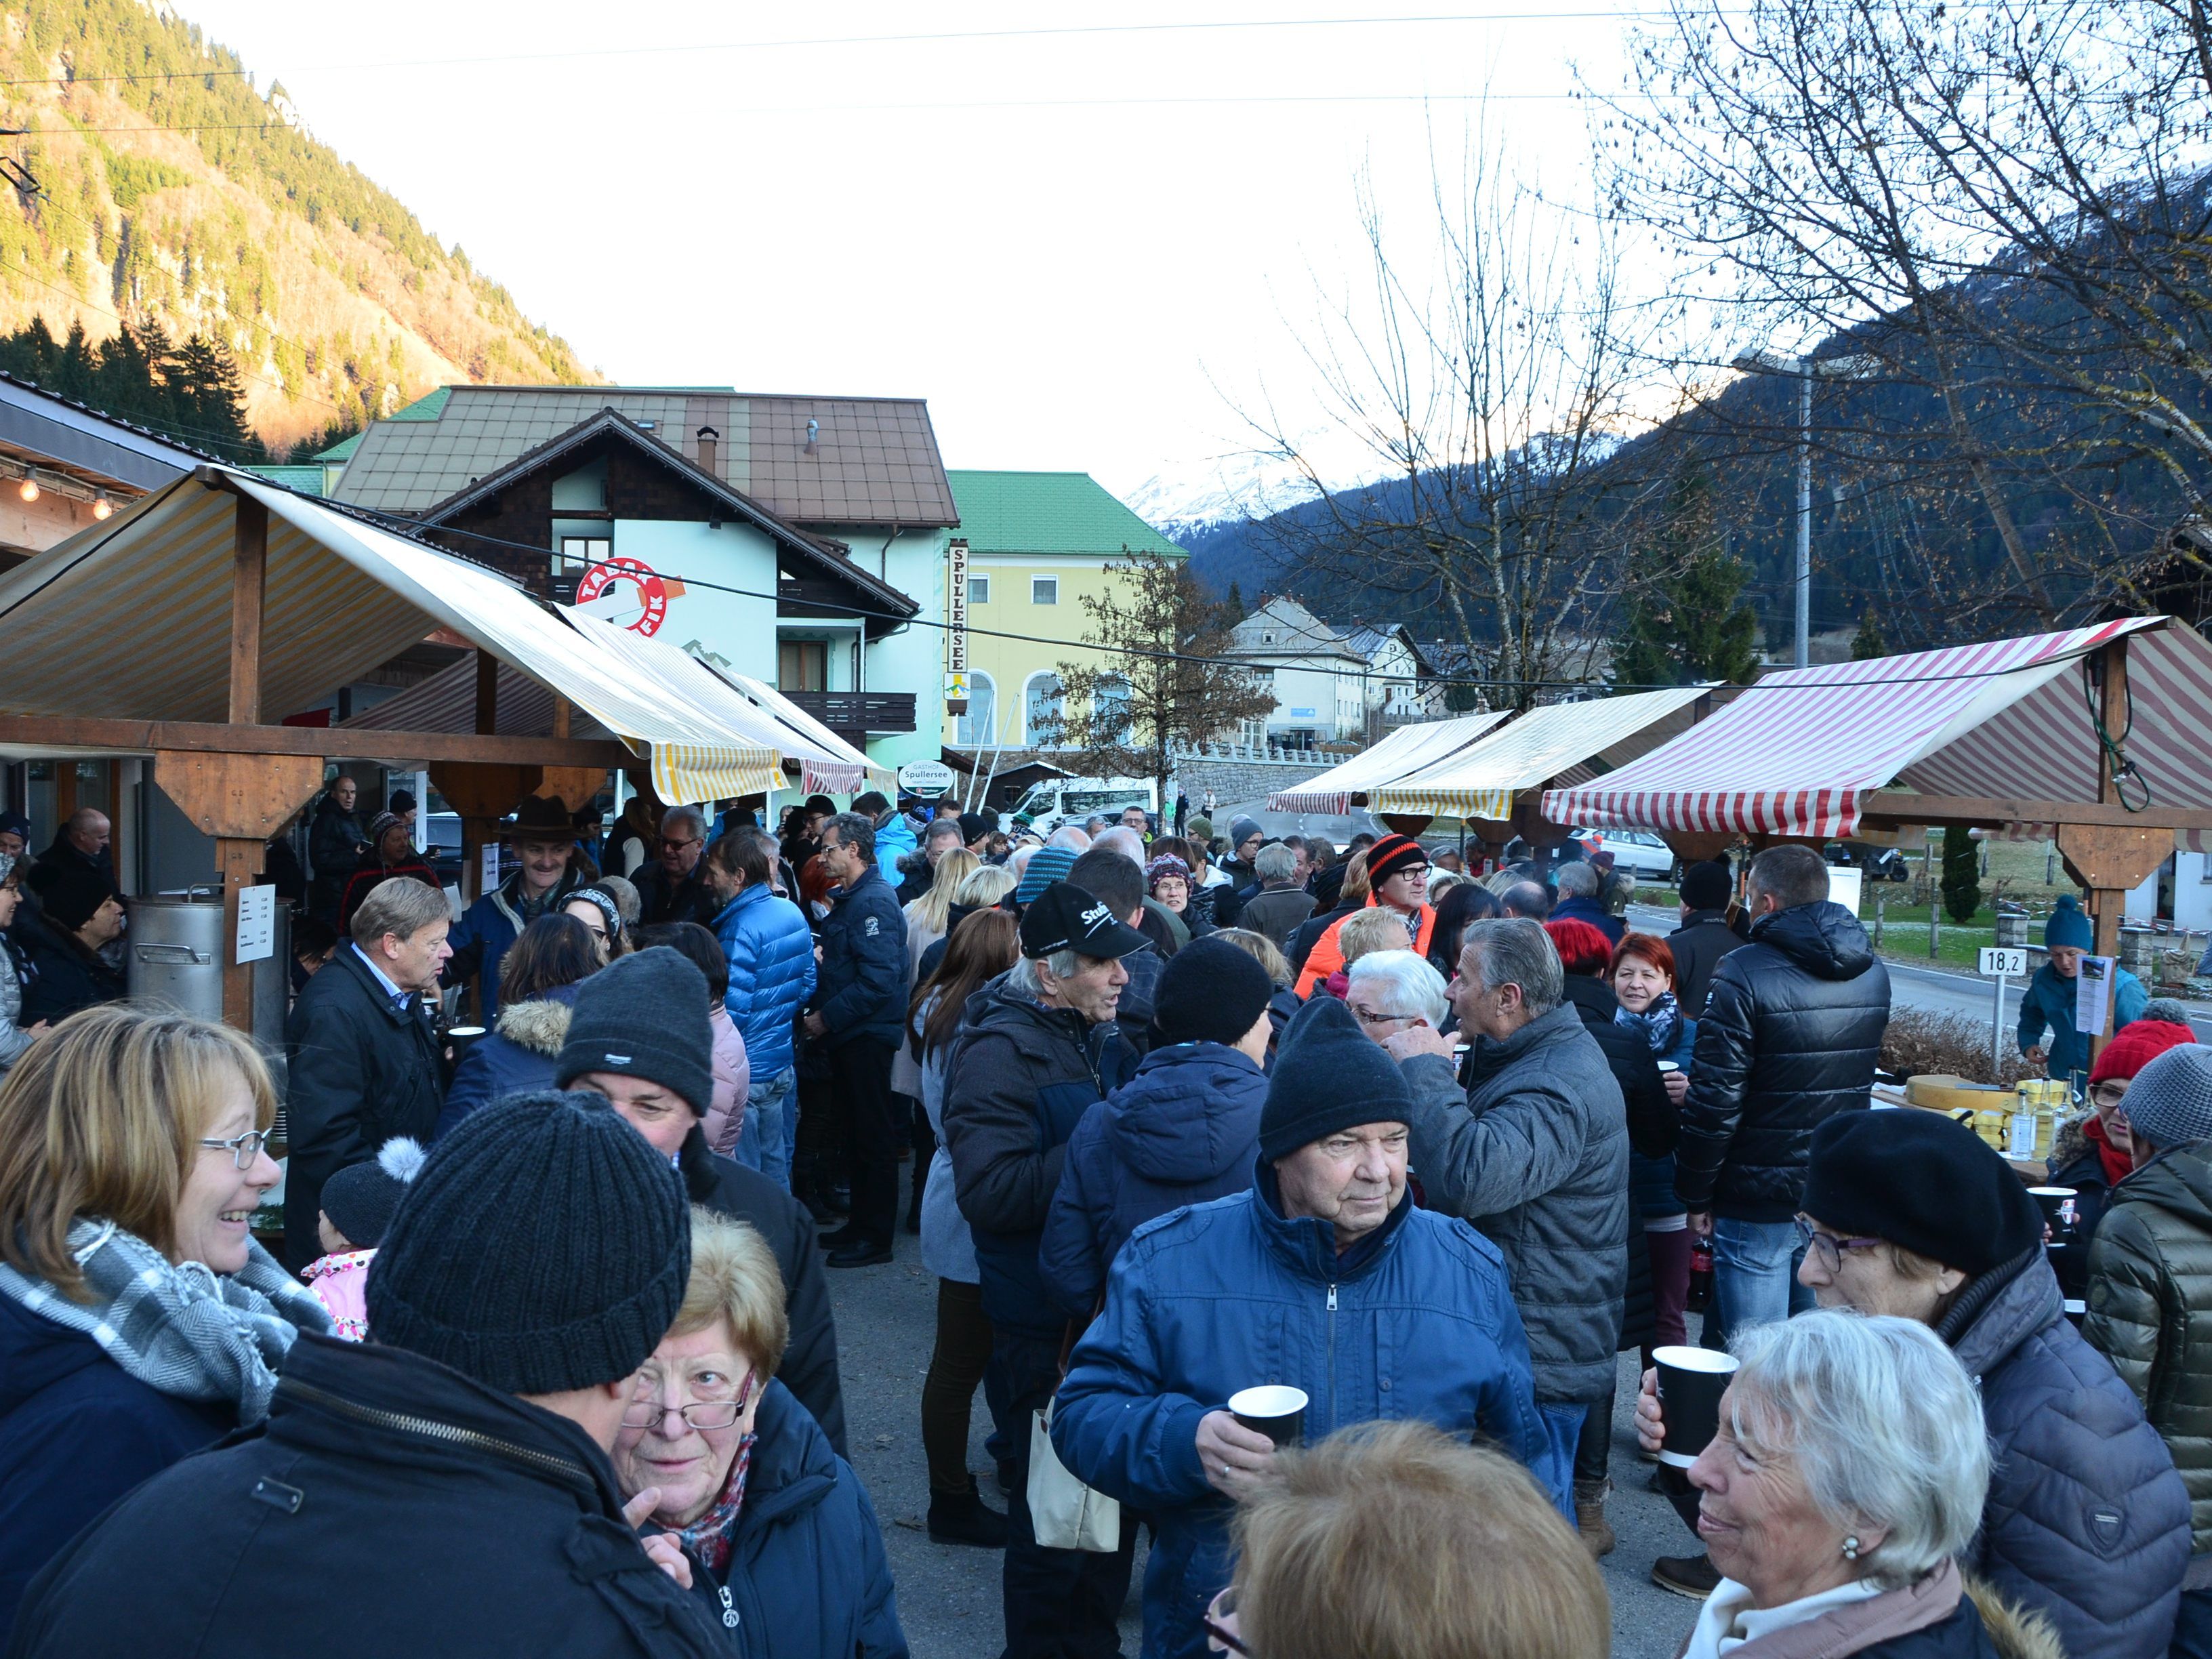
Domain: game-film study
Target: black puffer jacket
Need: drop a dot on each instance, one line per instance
(386, 1505)
(1792, 1027)
(1698, 943)
(1018, 1079)
(2086, 1520)
(861, 989)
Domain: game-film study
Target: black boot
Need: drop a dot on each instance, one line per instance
(964, 1518)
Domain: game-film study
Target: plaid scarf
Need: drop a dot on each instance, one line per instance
(713, 1535)
(178, 1327)
(1661, 1023)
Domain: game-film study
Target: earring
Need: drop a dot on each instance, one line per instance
(1852, 1549)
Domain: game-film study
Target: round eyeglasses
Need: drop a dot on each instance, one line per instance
(1828, 1248)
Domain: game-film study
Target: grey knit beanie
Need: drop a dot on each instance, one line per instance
(2170, 1102)
(644, 1017)
(545, 1246)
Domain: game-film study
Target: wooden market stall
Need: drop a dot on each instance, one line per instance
(184, 628)
(2104, 734)
(1355, 782)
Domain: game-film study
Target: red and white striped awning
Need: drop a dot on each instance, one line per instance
(1405, 750)
(1796, 753)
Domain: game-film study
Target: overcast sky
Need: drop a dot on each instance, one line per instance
(1085, 249)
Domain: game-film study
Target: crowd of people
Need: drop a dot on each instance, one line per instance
(1291, 1206)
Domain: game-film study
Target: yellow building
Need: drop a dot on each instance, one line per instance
(1037, 544)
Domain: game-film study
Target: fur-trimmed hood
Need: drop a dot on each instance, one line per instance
(540, 1025)
(2014, 1631)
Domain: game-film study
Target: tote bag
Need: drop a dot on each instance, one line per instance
(1065, 1514)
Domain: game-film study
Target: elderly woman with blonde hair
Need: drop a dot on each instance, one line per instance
(782, 1543)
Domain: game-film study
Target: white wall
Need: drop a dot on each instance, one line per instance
(738, 627)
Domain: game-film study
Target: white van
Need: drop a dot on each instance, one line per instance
(1071, 800)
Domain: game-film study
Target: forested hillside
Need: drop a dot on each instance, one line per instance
(157, 185)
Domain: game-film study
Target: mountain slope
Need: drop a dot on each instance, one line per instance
(162, 185)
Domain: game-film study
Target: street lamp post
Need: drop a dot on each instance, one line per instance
(1859, 366)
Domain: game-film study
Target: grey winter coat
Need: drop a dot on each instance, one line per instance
(2086, 1520)
(1535, 1155)
(15, 1041)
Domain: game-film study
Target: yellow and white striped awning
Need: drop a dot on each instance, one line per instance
(1539, 748)
(132, 620)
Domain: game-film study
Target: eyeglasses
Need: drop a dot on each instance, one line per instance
(1367, 1018)
(644, 1412)
(1828, 1248)
(1222, 1634)
(2110, 1092)
(673, 845)
(243, 1149)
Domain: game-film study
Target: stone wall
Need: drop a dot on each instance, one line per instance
(1234, 781)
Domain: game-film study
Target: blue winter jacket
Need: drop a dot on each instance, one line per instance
(862, 989)
(76, 1432)
(1184, 1130)
(2049, 1001)
(520, 1053)
(894, 836)
(771, 956)
(807, 1577)
(1417, 1322)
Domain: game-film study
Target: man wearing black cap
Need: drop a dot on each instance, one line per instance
(639, 1035)
(545, 874)
(1323, 1278)
(454, 1472)
(1704, 936)
(1040, 1046)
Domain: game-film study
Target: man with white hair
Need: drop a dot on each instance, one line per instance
(1391, 990)
(1072, 837)
(1535, 1154)
(1121, 839)
(1282, 901)
(674, 888)
(1582, 887)
(1041, 1044)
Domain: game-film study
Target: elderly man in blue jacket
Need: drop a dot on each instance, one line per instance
(1325, 1278)
(858, 1011)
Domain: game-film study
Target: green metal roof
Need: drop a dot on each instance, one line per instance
(428, 407)
(303, 480)
(1049, 512)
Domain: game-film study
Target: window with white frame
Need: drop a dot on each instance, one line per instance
(979, 590)
(978, 727)
(1042, 710)
(1044, 590)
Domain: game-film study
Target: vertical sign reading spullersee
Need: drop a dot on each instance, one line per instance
(956, 618)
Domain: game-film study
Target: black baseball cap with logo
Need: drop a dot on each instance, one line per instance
(1063, 917)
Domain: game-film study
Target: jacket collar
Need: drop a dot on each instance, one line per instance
(1491, 1056)
(1860, 1624)
(872, 874)
(794, 1467)
(2001, 1309)
(369, 1401)
(1308, 1245)
(349, 961)
(1699, 918)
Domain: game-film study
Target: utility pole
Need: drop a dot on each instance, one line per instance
(1804, 513)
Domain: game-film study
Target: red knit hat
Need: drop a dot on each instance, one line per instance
(2134, 1045)
(1391, 855)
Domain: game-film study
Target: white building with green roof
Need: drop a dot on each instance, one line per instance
(1038, 543)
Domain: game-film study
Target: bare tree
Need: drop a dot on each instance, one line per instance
(1488, 403)
(1166, 682)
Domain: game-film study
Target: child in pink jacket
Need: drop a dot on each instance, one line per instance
(358, 1203)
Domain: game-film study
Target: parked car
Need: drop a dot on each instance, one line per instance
(1879, 863)
(1638, 851)
(1071, 800)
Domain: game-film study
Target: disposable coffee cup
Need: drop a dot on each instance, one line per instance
(1668, 1066)
(459, 1038)
(1274, 1409)
(2076, 1311)
(1691, 1384)
(2059, 1208)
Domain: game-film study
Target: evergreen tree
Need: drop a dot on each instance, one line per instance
(208, 397)
(1867, 644)
(1691, 623)
(1962, 874)
(1237, 602)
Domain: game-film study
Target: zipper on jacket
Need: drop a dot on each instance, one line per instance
(433, 1430)
(1331, 1354)
(730, 1621)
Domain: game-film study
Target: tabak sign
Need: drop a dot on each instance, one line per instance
(627, 593)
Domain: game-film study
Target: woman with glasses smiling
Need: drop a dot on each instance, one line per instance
(1911, 1214)
(139, 1321)
(784, 1546)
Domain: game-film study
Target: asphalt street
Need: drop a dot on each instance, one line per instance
(948, 1594)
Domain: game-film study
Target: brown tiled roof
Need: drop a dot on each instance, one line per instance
(874, 461)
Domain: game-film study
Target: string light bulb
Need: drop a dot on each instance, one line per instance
(102, 507)
(29, 489)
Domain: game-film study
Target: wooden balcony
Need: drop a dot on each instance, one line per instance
(857, 716)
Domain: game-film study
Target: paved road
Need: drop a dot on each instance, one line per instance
(1941, 989)
(949, 1595)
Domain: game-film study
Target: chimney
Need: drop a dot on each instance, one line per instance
(709, 450)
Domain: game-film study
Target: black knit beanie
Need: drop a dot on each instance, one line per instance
(71, 894)
(545, 1246)
(1210, 992)
(1919, 1179)
(1329, 1075)
(645, 1016)
(1707, 886)
(361, 1199)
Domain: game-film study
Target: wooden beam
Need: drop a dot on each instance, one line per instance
(560, 716)
(487, 693)
(239, 860)
(2116, 859)
(140, 737)
(1992, 811)
(245, 797)
(249, 586)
